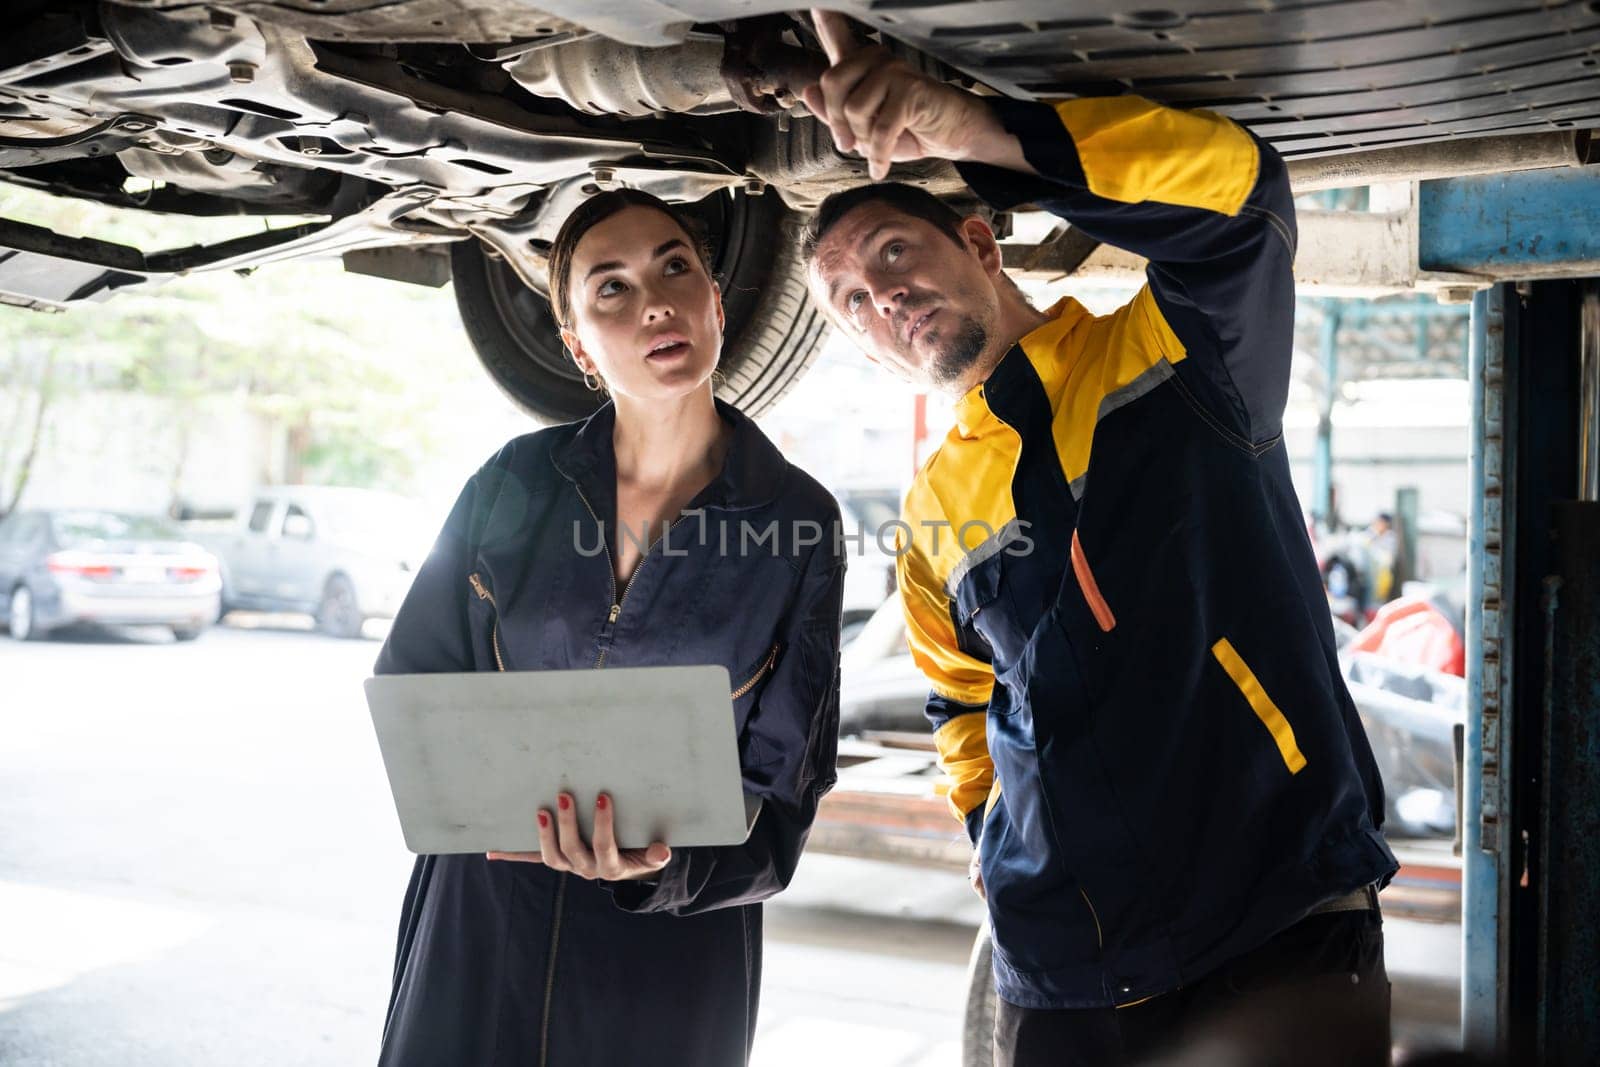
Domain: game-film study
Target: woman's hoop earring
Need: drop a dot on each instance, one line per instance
(591, 382)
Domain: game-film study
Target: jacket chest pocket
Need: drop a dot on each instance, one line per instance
(992, 621)
(1104, 617)
(975, 593)
(484, 615)
(756, 675)
(748, 684)
(1265, 708)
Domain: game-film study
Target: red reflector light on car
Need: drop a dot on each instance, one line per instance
(189, 574)
(82, 566)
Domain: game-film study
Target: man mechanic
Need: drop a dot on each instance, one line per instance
(1108, 583)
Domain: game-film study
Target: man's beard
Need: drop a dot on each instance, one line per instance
(953, 358)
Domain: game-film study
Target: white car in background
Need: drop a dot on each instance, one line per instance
(341, 555)
(869, 577)
(83, 565)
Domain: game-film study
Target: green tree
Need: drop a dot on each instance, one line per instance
(349, 366)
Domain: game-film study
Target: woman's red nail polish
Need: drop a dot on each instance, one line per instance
(565, 801)
(544, 820)
(603, 803)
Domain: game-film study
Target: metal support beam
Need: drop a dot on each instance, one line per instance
(1340, 253)
(1589, 394)
(1568, 887)
(1568, 1024)
(1532, 838)
(1407, 505)
(1322, 459)
(1491, 540)
(1443, 159)
(1534, 224)
(1447, 237)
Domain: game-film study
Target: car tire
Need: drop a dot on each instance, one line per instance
(187, 633)
(223, 606)
(339, 614)
(773, 331)
(20, 615)
(977, 1023)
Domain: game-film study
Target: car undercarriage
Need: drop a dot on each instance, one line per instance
(423, 140)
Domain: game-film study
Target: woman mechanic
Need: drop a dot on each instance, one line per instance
(583, 954)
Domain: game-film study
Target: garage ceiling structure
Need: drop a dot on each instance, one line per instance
(1349, 91)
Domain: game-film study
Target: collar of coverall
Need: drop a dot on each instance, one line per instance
(751, 476)
(971, 409)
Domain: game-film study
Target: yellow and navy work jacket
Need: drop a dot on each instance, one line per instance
(1109, 584)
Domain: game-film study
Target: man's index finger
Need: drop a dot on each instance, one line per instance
(838, 40)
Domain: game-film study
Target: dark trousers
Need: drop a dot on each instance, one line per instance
(1316, 993)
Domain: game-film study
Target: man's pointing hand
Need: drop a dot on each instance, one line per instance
(877, 105)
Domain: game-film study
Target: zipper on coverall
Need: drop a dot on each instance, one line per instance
(483, 592)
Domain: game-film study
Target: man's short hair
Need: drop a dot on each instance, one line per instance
(906, 199)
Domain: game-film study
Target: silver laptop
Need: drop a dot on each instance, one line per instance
(472, 757)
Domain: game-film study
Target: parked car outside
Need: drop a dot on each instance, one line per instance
(71, 566)
(881, 688)
(341, 555)
(869, 578)
(1409, 711)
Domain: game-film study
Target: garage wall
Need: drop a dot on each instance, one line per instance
(1372, 463)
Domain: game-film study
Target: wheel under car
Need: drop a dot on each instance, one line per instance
(772, 331)
(339, 614)
(21, 617)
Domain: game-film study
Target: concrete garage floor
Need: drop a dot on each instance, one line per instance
(199, 864)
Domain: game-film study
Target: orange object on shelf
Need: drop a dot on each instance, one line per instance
(1412, 630)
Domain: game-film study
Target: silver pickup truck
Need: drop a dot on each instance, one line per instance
(341, 555)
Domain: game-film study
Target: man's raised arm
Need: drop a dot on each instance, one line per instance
(1199, 196)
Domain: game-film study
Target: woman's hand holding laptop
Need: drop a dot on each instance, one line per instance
(562, 848)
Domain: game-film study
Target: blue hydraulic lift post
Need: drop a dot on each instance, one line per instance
(1530, 224)
(1531, 781)
(1488, 641)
